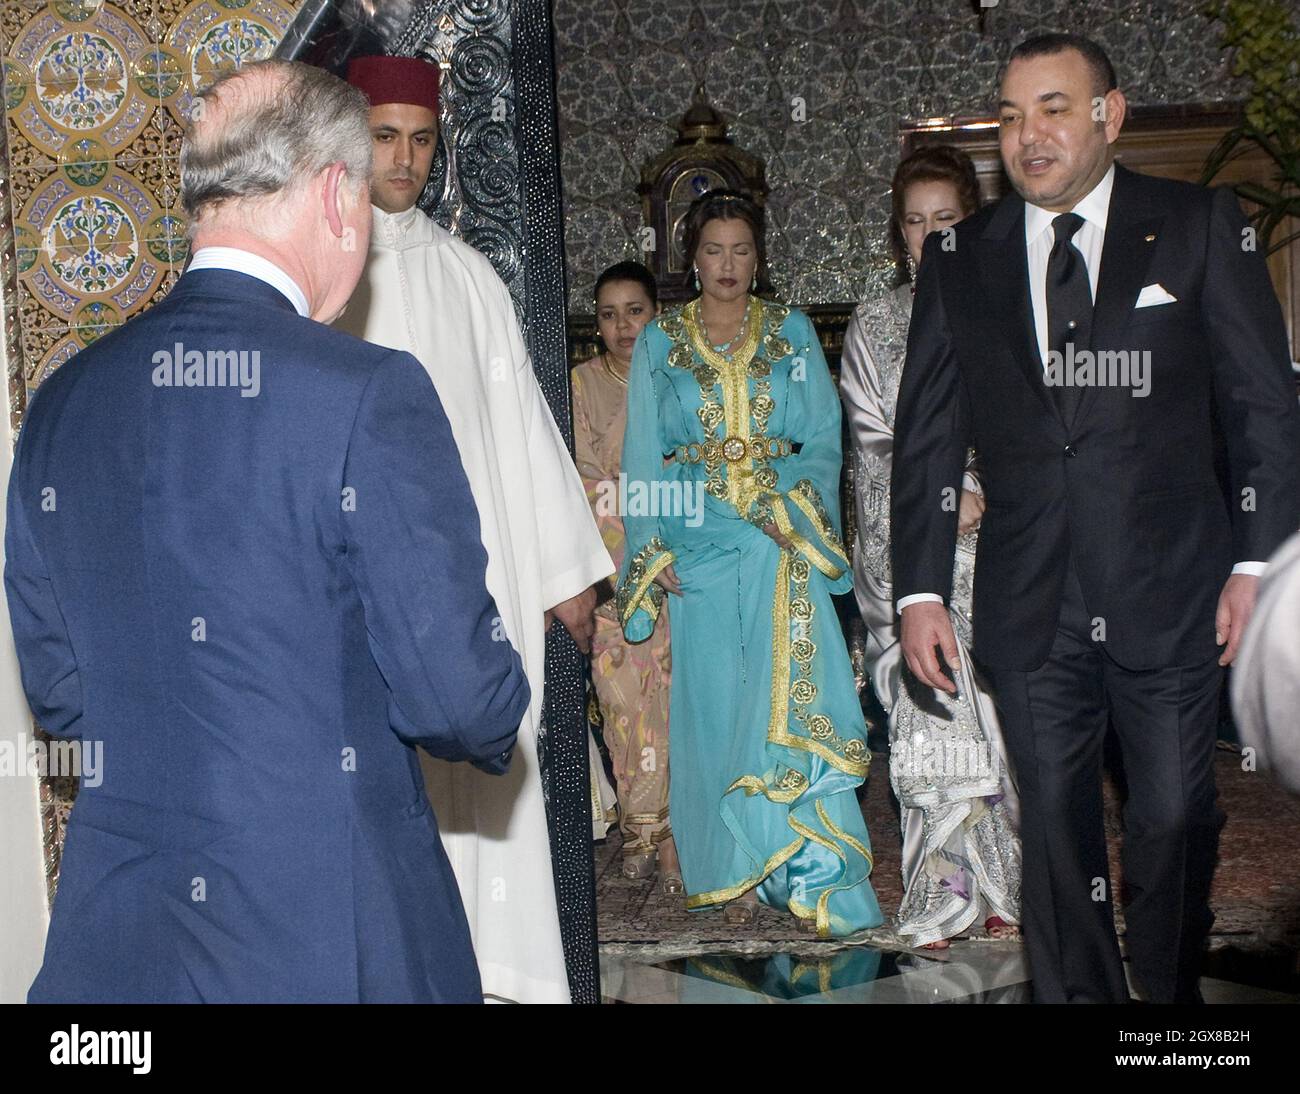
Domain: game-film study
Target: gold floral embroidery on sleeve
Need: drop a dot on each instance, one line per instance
(806, 497)
(638, 588)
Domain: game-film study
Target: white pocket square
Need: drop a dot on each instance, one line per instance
(1154, 294)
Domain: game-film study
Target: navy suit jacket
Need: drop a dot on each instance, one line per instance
(259, 604)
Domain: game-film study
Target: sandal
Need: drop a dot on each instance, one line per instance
(640, 866)
(740, 913)
(999, 929)
(670, 876)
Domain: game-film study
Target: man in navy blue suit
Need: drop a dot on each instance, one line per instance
(242, 555)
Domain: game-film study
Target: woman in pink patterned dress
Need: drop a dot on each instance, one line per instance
(632, 681)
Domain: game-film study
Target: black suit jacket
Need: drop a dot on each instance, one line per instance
(1127, 488)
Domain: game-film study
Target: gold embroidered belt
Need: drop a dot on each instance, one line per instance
(734, 449)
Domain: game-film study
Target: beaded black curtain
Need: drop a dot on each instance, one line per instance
(496, 183)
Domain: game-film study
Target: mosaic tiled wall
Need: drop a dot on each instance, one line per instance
(96, 93)
(627, 69)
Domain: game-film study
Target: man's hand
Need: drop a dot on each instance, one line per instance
(1236, 605)
(925, 626)
(970, 512)
(578, 614)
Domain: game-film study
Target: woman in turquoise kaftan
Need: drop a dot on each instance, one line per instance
(769, 742)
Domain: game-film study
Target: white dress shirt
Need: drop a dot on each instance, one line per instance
(1094, 207)
(1040, 238)
(245, 262)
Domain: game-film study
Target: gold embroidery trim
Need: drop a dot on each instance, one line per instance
(752, 784)
(652, 571)
(823, 912)
(733, 371)
(819, 522)
(646, 818)
(779, 716)
(639, 581)
(801, 544)
(840, 833)
(721, 896)
(780, 710)
(802, 911)
(722, 976)
(759, 446)
(744, 352)
(597, 811)
(823, 900)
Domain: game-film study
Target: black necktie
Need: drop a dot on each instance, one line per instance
(1069, 308)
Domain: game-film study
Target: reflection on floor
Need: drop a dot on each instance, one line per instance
(653, 950)
(987, 973)
(973, 972)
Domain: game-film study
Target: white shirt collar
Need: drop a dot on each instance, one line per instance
(245, 262)
(1094, 207)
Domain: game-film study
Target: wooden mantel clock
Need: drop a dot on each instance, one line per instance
(702, 158)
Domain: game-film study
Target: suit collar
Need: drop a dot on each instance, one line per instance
(1131, 241)
(1005, 280)
(254, 265)
(1006, 216)
(1134, 228)
(1131, 198)
(231, 285)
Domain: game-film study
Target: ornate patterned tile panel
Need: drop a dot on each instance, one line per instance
(96, 94)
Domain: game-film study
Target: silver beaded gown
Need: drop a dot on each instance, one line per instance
(948, 767)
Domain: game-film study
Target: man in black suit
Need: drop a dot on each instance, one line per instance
(1083, 334)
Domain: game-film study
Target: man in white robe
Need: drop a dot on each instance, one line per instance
(431, 294)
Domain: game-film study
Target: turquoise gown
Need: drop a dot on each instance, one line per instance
(768, 741)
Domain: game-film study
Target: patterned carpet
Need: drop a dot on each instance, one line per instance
(1256, 894)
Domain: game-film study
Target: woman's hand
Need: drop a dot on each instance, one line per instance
(969, 512)
(667, 579)
(775, 533)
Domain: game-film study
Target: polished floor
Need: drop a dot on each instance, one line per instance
(654, 951)
(973, 972)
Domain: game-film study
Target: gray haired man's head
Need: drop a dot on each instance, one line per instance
(264, 130)
(277, 162)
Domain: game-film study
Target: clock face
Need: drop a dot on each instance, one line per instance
(685, 188)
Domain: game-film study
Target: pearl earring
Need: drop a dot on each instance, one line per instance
(697, 279)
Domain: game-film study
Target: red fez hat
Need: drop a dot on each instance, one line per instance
(395, 80)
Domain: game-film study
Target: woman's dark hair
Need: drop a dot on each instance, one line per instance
(933, 163)
(628, 271)
(723, 205)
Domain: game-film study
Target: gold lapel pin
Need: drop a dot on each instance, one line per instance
(1151, 237)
